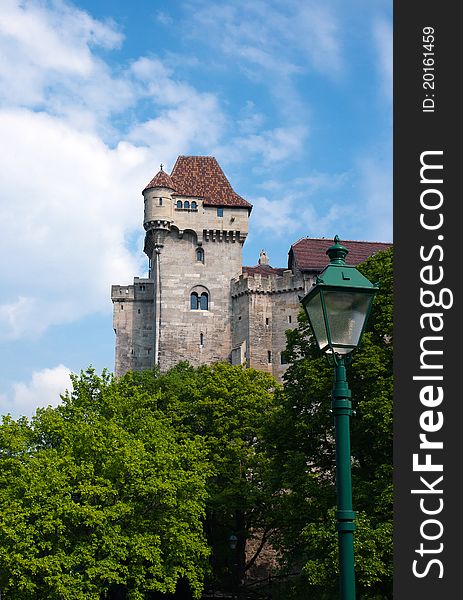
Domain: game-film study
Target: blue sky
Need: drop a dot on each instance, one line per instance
(293, 98)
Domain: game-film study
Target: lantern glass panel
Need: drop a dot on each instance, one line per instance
(315, 312)
(346, 313)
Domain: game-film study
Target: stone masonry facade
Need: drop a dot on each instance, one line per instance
(199, 303)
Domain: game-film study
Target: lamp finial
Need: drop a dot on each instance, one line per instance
(337, 252)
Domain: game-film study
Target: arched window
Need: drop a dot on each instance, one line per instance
(179, 204)
(200, 255)
(186, 204)
(194, 206)
(199, 298)
(204, 301)
(194, 301)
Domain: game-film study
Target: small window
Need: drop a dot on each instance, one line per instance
(122, 306)
(186, 204)
(269, 356)
(194, 206)
(194, 303)
(179, 204)
(220, 211)
(200, 255)
(160, 201)
(139, 311)
(201, 339)
(266, 320)
(284, 358)
(289, 319)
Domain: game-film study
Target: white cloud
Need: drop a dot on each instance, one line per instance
(278, 37)
(276, 217)
(320, 37)
(66, 202)
(185, 115)
(42, 390)
(163, 18)
(16, 316)
(273, 43)
(48, 59)
(269, 146)
(294, 215)
(304, 206)
(70, 185)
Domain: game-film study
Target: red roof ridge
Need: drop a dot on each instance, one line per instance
(342, 241)
(309, 254)
(265, 270)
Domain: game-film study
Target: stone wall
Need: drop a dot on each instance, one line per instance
(133, 325)
(264, 307)
(198, 336)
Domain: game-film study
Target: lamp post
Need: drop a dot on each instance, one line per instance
(337, 307)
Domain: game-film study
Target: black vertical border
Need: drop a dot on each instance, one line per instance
(415, 132)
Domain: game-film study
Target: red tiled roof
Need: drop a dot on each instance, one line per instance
(202, 177)
(161, 179)
(309, 254)
(265, 270)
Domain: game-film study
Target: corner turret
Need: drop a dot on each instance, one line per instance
(158, 213)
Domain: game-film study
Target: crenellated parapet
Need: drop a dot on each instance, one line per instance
(142, 290)
(280, 282)
(223, 235)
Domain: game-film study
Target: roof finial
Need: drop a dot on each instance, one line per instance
(263, 258)
(161, 166)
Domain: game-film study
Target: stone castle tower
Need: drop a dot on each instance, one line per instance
(199, 303)
(195, 227)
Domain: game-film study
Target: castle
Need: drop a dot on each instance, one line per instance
(199, 303)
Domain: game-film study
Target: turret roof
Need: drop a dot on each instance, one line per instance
(201, 177)
(161, 179)
(309, 254)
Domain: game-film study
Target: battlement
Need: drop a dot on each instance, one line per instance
(142, 290)
(260, 283)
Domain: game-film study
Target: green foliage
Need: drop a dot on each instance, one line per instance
(129, 482)
(228, 407)
(100, 492)
(301, 443)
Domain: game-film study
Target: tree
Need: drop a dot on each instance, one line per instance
(229, 407)
(99, 493)
(303, 452)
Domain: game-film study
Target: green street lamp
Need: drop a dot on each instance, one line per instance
(337, 307)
